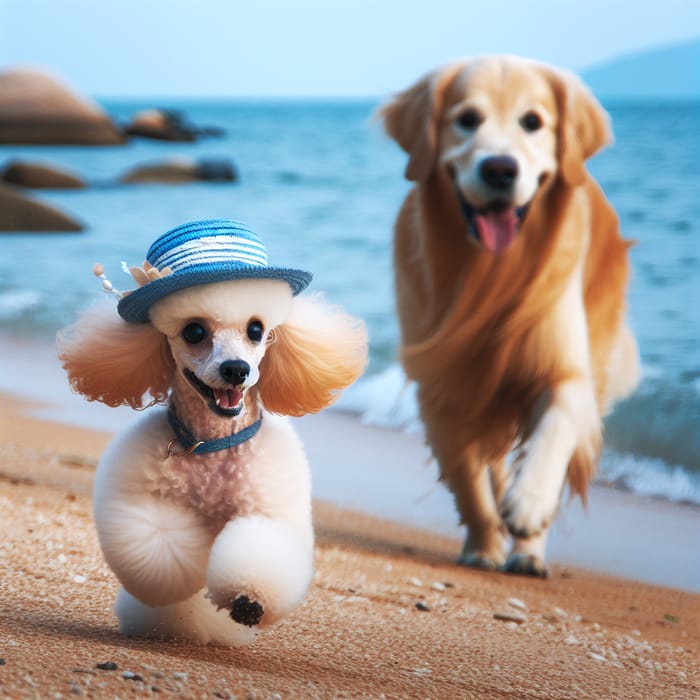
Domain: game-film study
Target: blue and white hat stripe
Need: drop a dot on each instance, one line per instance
(211, 249)
(204, 252)
(197, 230)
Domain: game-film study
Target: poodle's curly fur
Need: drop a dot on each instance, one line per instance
(190, 535)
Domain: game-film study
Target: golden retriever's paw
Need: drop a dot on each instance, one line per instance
(480, 560)
(528, 512)
(484, 547)
(526, 565)
(524, 525)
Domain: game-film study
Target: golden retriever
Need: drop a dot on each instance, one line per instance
(510, 278)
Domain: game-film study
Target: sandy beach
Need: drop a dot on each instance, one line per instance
(314, 138)
(388, 615)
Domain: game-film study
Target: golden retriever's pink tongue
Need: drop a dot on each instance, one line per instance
(228, 398)
(497, 229)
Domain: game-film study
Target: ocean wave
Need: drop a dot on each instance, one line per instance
(14, 303)
(659, 421)
(649, 477)
(652, 438)
(387, 399)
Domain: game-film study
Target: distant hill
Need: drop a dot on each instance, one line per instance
(668, 72)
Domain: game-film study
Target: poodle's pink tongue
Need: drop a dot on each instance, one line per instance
(228, 398)
(497, 229)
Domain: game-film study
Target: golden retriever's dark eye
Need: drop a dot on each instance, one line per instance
(531, 121)
(470, 119)
(194, 333)
(255, 330)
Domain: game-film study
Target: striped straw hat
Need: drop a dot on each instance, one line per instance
(201, 252)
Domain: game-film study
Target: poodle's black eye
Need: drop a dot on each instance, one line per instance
(255, 330)
(194, 333)
(470, 119)
(531, 121)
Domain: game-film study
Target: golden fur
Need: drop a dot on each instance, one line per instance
(479, 331)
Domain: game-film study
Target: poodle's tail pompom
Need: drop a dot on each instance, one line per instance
(115, 362)
(318, 351)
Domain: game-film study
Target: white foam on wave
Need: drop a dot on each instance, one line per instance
(388, 399)
(15, 302)
(650, 477)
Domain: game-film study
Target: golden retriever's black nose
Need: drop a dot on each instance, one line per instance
(234, 371)
(499, 172)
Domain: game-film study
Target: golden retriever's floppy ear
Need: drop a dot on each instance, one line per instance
(115, 362)
(317, 352)
(412, 119)
(584, 126)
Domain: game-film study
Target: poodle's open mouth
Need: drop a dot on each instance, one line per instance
(494, 226)
(227, 402)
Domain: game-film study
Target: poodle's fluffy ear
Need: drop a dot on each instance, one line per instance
(115, 362)
(317, 352)
(412, 119)
(584, 126)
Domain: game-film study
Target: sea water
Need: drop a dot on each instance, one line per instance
(321, 184)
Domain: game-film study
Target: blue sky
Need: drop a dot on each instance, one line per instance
(316, 47)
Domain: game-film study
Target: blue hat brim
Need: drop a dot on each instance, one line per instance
(135, 306)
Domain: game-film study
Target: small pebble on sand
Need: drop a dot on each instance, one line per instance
(510, 616)
(107, 666)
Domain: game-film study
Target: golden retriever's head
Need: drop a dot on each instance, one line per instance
(501, 128)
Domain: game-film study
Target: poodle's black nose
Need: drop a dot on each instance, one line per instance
(499, 171)
(234, 371)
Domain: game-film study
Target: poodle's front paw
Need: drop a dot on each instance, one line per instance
(259, 569)
(246, 611)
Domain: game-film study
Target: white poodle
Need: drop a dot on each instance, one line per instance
(203, 507)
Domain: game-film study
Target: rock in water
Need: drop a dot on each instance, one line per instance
(21, 213)
(36, 107)
(182, 171)
(40, 176)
